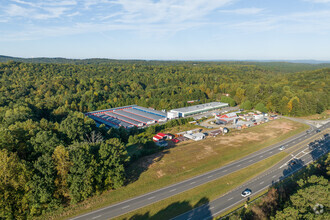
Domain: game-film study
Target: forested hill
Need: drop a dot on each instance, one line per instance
(279, 66)
(52, 156)
(50, 87)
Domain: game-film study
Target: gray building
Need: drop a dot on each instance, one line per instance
(195, 109)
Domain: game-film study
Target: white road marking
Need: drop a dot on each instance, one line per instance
(230, 198)
(151, 197)
(209, 176)
(250, 160)
(262, 182)
(125, 207)
(261, 156)
(172, 190)
(274, 176)
(97, 217)
(192, 183)
(238, 165)
(211, 207)
(271, 152)
(224, 171)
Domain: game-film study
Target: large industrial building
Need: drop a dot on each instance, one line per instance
(195, 109)
(127, 116)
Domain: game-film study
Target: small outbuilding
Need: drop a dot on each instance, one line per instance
(195, 136)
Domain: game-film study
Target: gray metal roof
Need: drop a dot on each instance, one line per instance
(201, 107)
(125, 119)
(114, 120)
(109, 121)
(102, 121)
(122, 118)
(127, 116)
(133, 116)
(150, 111)
(144, 114)
(112, 109)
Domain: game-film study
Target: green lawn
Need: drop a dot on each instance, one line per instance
(187, 160)
(185, 201)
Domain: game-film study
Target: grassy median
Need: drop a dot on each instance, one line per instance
(185, 201)
(186, 160)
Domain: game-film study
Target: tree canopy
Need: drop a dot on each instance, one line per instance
(52, 155)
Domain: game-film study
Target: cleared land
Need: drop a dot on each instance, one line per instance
(188, 200)
(189, 159)
(323, 115)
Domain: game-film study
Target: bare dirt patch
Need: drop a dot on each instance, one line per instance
(149, 161)
(160, 173)
(208, 150)
(283, 126)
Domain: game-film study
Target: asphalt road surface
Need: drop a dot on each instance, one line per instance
(260, 183)
(155, 196)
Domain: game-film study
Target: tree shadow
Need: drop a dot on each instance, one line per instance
(318, 147)
(293, 165)
(135, 169)
(178, 210)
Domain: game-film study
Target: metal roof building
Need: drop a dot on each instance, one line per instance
(195, 109)
(127, 116)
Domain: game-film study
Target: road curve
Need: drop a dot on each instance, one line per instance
(166, 192)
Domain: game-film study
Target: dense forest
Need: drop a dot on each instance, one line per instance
(56, 87)
(51, 155)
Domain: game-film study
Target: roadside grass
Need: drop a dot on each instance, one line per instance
(200, 195)
(181, 128)
(256, 198)
(253, 199)
(185, 161)
(322, 116)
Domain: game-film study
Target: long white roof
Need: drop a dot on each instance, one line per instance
(201, 107)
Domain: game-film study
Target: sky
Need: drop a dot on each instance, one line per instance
(166, 29)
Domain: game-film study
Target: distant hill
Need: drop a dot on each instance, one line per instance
(275, 65)
(58, 60)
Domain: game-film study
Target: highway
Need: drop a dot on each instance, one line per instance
(258, 184)
(155, 196)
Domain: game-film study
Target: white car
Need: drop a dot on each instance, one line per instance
(246, 192)
(282, 148)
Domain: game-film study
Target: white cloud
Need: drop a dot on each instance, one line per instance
(38, 10)
(316, 22)
(167, 11)
(15, 10)
(150, 17)
(318, 1)
(244, 11)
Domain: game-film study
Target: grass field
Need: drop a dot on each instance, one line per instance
(322, 116)
(181, 128)
(185, 201)
(188, 159)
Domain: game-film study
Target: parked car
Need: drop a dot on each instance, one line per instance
(175, 140)
(246, 192)
(318, 130)
(282, 148)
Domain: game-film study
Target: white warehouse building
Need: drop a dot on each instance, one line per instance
(195, 109)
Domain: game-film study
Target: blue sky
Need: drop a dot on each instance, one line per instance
(166, 29)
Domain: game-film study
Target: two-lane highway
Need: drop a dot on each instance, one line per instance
(155, 196)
